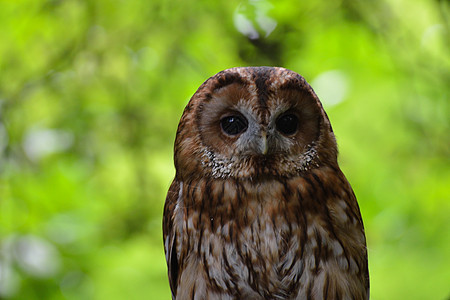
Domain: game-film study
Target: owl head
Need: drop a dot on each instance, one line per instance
(253, 122)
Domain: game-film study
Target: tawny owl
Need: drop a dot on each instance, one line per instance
(259, 208)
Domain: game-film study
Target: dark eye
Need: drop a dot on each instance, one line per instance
(233, 125)
(287, 124)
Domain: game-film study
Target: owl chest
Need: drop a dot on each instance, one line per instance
(264, 244)
(260, 249)
(248, 257)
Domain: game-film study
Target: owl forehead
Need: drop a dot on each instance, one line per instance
(260, 91)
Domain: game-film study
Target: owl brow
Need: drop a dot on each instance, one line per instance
(262, 90)
(293, 84)
(227, 79)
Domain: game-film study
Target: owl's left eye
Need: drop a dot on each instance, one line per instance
(233, 125)
(287, 124)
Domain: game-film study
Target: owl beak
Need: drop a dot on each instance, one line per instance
(263, 146)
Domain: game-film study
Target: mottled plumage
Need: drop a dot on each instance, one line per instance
(259, 208)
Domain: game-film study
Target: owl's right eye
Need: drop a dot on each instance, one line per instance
(233, 125)
(287, 124)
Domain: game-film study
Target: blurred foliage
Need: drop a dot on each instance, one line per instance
(91, 93)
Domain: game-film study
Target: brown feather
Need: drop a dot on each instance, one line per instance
(240, 224)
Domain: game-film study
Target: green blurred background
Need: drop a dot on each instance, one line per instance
(91, 93)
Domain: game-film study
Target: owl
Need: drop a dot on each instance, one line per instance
(259, 208)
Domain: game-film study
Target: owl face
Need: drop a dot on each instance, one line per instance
(254, 122)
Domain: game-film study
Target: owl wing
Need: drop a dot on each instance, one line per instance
(171, 237)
